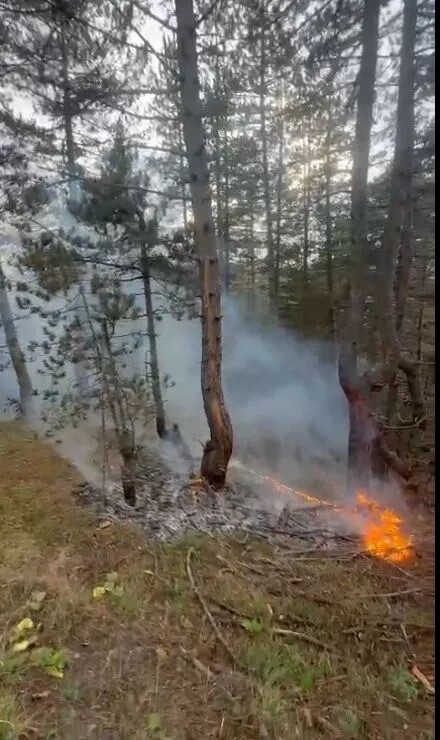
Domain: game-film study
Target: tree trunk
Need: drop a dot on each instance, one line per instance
(399, 210)
(113, 397)
(218, 449)
(15, 351)
(251, 262)
(277, 255)
(359, 445)
(67, 112)
(159, 408)
(73, 184)
(182, 180)
(306, 213)
(401, 293)
(128, 470)
(226, 235)
(328, 228)
(265, 162)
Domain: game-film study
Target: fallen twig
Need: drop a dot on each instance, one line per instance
(197, 663)
(426, 683)
(301, 636)
(204, 605)
(324, 724)
(392, 595)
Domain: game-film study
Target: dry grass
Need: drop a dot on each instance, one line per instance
(145, 661)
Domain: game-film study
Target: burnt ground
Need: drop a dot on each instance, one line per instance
(171, 505)
(237, 635)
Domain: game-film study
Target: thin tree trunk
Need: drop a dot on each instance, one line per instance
(159, 408)
(400, 205)
(402, 285)
(277, 255)
(182, 179)
(252, 261)
(328, 228)
(126, 439)
(125, 436)
(73, 184)
(218, 449)
(265, 162)
(306, 213)
(361, 431)
(67, 111)
(226, 236)
(15, 351)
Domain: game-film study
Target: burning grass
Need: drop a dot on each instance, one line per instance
(384, 531)
(318, 645)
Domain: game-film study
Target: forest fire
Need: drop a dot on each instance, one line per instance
(384, 534)
(383, 530)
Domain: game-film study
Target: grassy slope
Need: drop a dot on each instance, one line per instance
(146, 663)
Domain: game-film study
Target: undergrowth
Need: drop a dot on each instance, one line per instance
(103, 634)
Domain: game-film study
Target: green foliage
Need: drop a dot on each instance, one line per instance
(51, 660)
(111, 586)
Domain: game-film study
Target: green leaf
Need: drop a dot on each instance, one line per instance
(52, 670)
(99, 592)
(252, 625)
(53, 662)
(154, 723)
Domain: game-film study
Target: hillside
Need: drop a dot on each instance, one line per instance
(204, 638)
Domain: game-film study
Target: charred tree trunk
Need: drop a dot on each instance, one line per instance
(128, 469)
(14, 349)
(359, 446)
(398, 212)
(218, 448)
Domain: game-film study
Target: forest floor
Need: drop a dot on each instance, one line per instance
(105, 635)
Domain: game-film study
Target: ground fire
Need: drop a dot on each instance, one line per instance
(383, 529)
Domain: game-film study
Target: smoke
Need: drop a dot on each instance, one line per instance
(288, 413)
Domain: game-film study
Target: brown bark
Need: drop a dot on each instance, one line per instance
(14, 349)
(359, 446)
(218, 449)
(399, 210)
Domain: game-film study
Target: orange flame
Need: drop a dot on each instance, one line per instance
(384, 534)
(383, 529)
